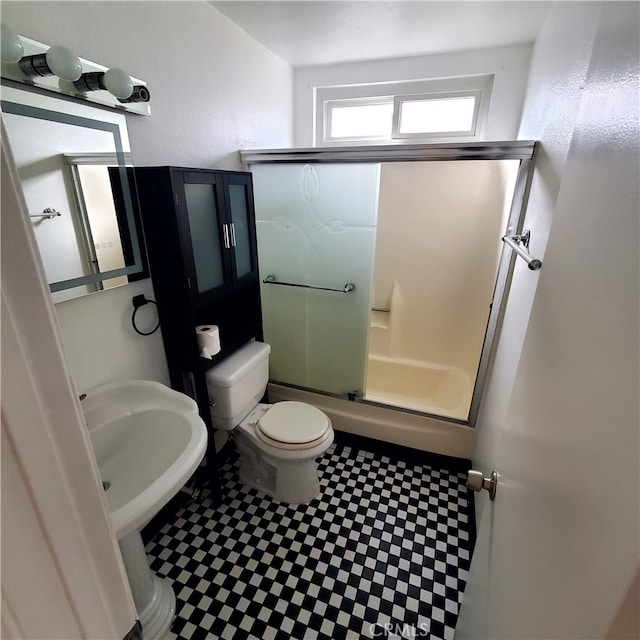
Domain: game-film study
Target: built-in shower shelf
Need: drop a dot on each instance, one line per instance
(380, 318)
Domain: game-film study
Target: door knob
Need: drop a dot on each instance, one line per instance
(477, 482)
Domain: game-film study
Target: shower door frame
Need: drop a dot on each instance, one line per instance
(522, 150)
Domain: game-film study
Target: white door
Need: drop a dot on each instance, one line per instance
(558, 548)
(62, 573)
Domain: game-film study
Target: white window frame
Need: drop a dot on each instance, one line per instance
(459, 135)
(326, 98)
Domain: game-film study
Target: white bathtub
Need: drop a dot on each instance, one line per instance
(421, 386)
(414, 430)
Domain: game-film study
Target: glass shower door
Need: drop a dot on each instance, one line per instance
(316, 234)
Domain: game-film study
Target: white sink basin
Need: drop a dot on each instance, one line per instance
(148, 440)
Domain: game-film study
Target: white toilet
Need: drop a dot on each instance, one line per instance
(278, 443)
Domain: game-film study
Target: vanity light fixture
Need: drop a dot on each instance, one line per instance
(63, 63)
(90, 82)
(58, 61)
(59, 69)
(116, 82)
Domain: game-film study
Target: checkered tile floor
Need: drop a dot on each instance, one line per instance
(384, 552)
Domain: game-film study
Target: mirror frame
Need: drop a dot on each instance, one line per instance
(33, 107)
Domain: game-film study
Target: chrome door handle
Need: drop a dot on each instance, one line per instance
(233, 234)
(225, 233)
(477, 482)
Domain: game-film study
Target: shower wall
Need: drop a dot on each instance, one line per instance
(437, 250)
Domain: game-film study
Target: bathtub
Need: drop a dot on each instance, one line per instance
(420, 386)
(418, 431)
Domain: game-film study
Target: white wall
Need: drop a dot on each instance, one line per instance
(509, 64)
(558, 71)
(213, 89)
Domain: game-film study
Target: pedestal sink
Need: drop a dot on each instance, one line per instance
(148, 441)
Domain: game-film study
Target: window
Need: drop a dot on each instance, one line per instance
(366, 119)
(435, 114)
(453, 109)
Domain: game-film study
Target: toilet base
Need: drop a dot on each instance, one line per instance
(296, 485)
(285, 480)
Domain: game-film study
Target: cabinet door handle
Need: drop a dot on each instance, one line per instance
(225, 233)
(233, 234)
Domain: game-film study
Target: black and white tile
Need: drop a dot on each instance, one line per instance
(384, 552)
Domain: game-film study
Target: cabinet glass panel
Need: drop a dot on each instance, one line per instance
(240, 228)
(205, 235)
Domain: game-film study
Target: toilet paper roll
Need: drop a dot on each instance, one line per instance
(208, 340)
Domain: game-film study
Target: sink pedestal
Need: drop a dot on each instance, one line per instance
(153, 596)
(148, 440)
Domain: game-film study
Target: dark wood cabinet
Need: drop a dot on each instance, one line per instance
(199, 227)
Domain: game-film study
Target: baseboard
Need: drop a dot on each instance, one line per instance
(400, 452)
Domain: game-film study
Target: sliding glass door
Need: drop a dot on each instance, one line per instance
(316, 241)
(384, 269)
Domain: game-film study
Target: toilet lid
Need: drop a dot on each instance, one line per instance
(294, 422)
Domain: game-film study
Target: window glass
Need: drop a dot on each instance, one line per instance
(437, 115)
(371, 120)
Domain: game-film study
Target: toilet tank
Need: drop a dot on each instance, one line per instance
(237, 384)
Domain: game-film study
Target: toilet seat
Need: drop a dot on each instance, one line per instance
(293, 425)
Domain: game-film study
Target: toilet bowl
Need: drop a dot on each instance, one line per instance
(278, 443)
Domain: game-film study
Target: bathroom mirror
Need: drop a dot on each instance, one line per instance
(74, 164)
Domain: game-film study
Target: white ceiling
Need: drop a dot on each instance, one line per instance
(308, 32)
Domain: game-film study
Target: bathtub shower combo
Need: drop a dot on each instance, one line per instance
(421, 386)
(384, 270)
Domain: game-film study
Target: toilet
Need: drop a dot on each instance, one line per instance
(278, 443)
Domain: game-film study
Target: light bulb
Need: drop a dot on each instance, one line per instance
(11, 45)
(118, 83)
(64, 63)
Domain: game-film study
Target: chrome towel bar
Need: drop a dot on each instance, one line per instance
(47, 214)
(348, 288)
(520, 244)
